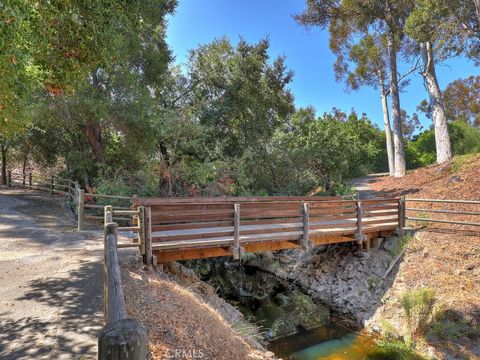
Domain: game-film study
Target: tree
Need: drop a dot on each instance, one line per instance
(349, 20)
(239, 95)
(461, 100)
(422, 26)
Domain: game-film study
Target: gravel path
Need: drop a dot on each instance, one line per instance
(50, 280)
(362, 185)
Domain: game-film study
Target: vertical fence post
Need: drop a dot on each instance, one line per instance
(141, 229)
(359, 235)
(9, 178)
(235, 248)
(23, 177)
(52, 186)
(80, 208)
(401, 215)
(30, 180)
(306, 225)
(148, 236)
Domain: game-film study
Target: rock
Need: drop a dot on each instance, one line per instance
(469, 267)
(454, 178)
(391, 244)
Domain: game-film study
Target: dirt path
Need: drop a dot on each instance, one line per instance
(362, 185)
(50, 280)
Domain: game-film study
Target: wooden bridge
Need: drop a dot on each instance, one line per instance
(192, 228)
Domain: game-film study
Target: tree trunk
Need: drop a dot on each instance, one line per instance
(477, 10)
(4, 164)
(93, 129)
(388, 132)
(396, 113)
(442, 139)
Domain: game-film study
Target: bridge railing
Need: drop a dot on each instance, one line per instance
(121, 338)
(231, 226)
(444, 211)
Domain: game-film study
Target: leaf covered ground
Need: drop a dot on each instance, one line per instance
(442, 257)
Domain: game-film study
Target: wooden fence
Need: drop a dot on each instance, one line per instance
(446, 211)
(179, 229)
(87, 206)
(121, 338)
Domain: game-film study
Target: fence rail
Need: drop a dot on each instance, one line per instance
(121, 338)
(442, 202)
(195, 228)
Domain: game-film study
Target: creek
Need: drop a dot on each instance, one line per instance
(294, 325)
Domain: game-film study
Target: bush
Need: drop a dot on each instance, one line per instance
(418, 308)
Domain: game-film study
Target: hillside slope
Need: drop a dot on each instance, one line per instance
(441, 257)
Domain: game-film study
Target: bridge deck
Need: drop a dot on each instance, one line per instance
(192, 229)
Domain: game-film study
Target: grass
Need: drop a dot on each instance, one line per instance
(418, 305)
(459, 162)
(402, 243)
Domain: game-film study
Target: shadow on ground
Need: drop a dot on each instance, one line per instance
(77, 317)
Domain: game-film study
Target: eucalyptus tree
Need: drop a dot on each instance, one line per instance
(386, 17)
(424, 26)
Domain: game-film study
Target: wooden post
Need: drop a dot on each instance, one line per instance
(401, 216)
(52, 186)
(9, 178)
(23, 177)
(148, 236)
(107, 214)
(306, 226)
(142, 230)
(30, 180)
(80, 208)
(121, 338)
(401, 212)
(235, 248)
(125, 339)
(359, 234)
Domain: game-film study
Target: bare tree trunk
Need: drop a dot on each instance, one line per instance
(4, 163)
(388, 132)
(442, 138)
(396, 113)
(477, 10)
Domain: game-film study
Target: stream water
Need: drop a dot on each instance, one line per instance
(333, 342)
(280, 309)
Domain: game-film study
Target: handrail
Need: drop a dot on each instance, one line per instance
(443, 211)
(121, 338)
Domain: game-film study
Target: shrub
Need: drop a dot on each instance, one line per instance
(418, 308)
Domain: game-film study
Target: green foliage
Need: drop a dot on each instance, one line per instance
(421, 150)
(418, 309)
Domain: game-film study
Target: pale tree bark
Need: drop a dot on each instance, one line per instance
(396, 112)
(388, 131)
(477, 10)
(442, 138)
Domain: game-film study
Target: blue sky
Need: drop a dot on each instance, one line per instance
(198, 22)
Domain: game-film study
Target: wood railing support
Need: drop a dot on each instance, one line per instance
(52, 185)
(9, 178)
(148, 236)
(142, 230)
(30, 180)
(401, 216)
(121, 338)
(359, 235)
(236, 250)
(80, 208)
(305, 242)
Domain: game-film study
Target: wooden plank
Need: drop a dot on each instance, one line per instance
(236, 232)
(270, 221)
(193, 225)
(239, 199)
(160, 212)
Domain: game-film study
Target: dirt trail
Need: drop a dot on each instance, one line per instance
(50, 280)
